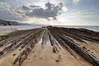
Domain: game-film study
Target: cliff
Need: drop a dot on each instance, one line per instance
(8, 23)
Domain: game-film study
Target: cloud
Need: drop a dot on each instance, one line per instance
(75, 1)
(25, 12)
(9, 12)
(4, 6)
(93, 13)
(50, 10)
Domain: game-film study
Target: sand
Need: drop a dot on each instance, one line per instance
(4, 32)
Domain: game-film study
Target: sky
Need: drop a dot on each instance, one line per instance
(51, 12)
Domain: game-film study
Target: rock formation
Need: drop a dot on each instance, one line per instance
(69, 46)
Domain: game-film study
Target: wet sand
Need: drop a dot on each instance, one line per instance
(4, 32)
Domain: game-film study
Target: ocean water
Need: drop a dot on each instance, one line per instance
(93, 28)
(13, 28)
(23, 27)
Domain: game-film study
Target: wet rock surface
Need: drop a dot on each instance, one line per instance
(2, 37)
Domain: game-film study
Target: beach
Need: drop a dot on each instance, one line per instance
(49, 46)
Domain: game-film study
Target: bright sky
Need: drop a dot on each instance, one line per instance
(51, 12)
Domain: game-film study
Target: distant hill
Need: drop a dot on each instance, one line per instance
(8, 23)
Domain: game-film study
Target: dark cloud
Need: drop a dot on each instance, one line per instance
(51, 10)
(33, 6)
(25, 8)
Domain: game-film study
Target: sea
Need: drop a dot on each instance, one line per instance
(24, 27)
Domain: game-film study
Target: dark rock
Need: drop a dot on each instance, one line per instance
(14, 54)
